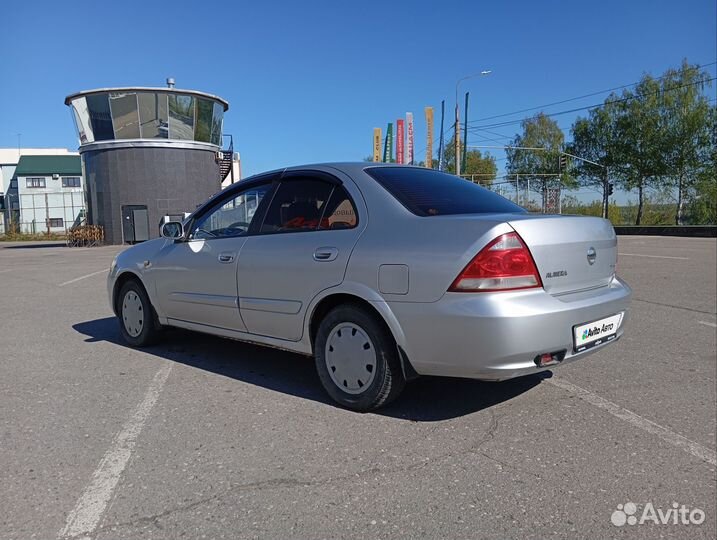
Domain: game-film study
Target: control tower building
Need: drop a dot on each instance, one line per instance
(148, 153)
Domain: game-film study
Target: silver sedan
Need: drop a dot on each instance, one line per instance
(382, 273)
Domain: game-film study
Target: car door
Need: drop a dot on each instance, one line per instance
(195, 277)
(303, 247)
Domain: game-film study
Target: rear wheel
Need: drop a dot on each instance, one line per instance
(357, 359)
(137, 320)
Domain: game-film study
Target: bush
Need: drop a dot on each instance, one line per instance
(11, 236)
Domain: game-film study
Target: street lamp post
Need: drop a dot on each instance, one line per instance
(457, 137)
(605, 182)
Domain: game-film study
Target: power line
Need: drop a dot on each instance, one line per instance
(502, 137)
(597, 105)
(494, 133)
(483, 138)
(423, 150)
(579, 97)
(483, 128)
(481, 131)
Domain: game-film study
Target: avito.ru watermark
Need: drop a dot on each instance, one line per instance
(678, 514)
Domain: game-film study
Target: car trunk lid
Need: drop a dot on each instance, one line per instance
(572, 253)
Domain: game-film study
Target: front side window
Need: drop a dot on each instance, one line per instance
(231, 217)
(298, 205)
(71, 181)
(35, 182)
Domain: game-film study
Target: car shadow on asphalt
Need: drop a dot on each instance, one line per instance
(34, 246)
(426, 399)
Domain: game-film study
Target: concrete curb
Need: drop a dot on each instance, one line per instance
(702, 231)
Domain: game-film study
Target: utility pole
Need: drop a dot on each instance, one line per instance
(606, 195)
(47, 213)
(465, 133)
(457, 134)
(440, 142)
(457, 138)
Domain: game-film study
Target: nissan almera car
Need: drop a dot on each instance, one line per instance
(381, 273)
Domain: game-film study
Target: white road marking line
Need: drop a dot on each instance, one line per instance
(654, 256)
(713, 325)
(696, 449)
(82, 277)
(83, 519)
(6, 270)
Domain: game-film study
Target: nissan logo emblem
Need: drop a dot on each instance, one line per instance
(592, 255)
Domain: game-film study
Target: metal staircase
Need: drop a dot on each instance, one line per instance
(226, 160)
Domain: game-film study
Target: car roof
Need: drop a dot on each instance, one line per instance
(351, 168)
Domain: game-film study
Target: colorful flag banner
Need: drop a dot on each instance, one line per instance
(388, 147)
(429, 137)
(399, 141)
(409, 126)
(376, 144)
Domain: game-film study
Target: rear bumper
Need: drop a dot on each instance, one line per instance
(496, 336)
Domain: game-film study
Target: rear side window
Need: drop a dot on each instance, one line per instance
(340, 212)
(297, 206)
(427, 192)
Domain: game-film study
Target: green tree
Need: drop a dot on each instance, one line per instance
(434, 163)
(688, 124)
(595, 139)
(655, 137)
(540, 168)
(477, 163)
(702, 207)
(641, 142)
(571, 205)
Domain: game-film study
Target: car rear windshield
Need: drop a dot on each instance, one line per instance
(427, 192)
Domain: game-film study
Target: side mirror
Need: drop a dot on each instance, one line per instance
(172, 229)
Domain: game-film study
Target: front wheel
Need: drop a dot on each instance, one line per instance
(136, 316)
(357, 359)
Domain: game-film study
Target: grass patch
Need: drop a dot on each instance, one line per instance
(30, 237)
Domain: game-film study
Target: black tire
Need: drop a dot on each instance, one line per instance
(388, 380)
(150, 328)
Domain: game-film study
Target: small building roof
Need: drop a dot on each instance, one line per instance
(10, 156)
(46, 165)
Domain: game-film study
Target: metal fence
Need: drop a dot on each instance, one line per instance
(551, 197)
(48, 213)
(543, 196)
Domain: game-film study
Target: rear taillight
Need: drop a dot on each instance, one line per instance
(504, 264)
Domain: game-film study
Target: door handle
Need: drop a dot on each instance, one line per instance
(226, 257)
(324, 254)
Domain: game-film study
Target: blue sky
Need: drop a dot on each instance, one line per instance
(307, 81)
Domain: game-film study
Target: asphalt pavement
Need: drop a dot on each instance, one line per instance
(202, 437)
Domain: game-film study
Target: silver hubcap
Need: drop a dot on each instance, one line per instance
(132, 314)
(350, 358)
